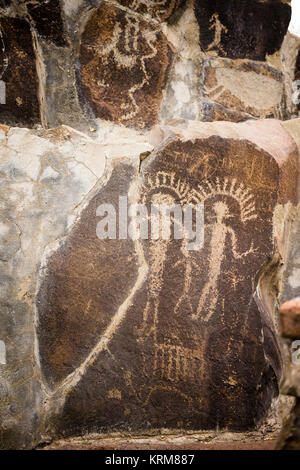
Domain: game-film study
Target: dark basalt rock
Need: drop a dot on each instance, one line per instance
(192, 350)
(47, 19)
(123, 67)
(241, 29)
(18, 70)
(80, 294)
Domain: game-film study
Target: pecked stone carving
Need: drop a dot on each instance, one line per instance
(124, 64)
(175, 328)
(242, 29)
(160, 10)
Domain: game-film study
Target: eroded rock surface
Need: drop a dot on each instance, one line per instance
(160, 11)
(87, 294)
(42, 179)
(104, 335)
(46, 17)
(19, 102)
(188, 331)
(242, 89)
(290, 318)
(242, 29)
(116, 44)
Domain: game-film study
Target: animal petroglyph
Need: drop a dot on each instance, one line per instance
(219, 29)
(249, 32)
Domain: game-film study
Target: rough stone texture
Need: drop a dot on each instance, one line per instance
(80, 296)
(297, 73)
(297, 78)
(187, 441)
(187, 333)
(44, 176)
(80, 355)
(291, 275)
(290, 319)
(288, 59)
(242, 29)
(293, 440)
(18, 71)
(242, 90)
(45, 16)
(160, 11)
(116, 44)
(102, 43)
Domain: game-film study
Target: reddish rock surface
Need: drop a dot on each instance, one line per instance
(124, 64)
(290, 319)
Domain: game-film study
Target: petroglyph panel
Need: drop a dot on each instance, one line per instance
(160, 10)
(241, 90)
(242, 29)
(71, 295)
(188, 346)
(19, 87)
(124, 63)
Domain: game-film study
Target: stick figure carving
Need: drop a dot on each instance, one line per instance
(117, 43)
(170, 354)
(220, 231)
(215, 24)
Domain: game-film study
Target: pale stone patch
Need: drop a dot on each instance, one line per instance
(93, 156)
(4, 229)
(181, 91)
(251, 87)
(2, 353)
(70, 7)
(294, 27)
(49, 173)
(294, 278)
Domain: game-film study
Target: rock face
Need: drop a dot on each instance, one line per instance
(84, 295)
(239, 89)
(46, 17)
(160, 11)
(290, 319)
(42, 180)
(297, 79)
(115, 44)
(242, 29)
(18, 72)
(124, 333)
(184, 330)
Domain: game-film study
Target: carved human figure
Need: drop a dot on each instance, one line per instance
(220, 231)
(219, 28)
